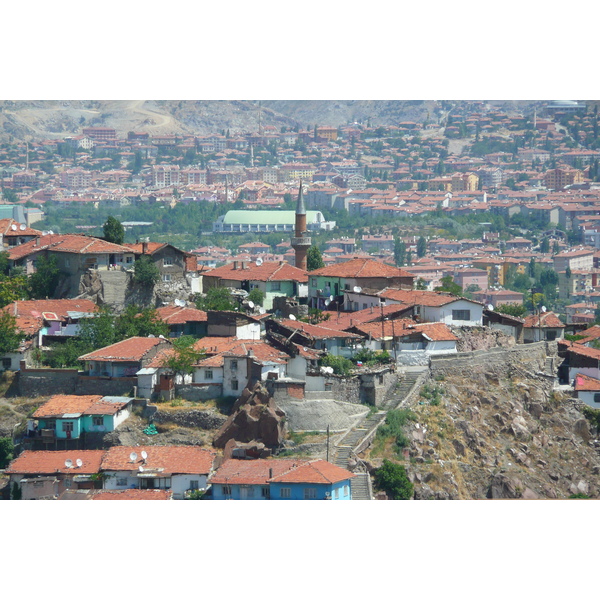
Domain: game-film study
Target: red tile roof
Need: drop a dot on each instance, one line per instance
(316, 471)
(58, 308)
(318, 332)
(584, 383)
(251, 472)
(63, 404)
(361, 268)
(132, 495)
(268, 271)
(174, 315)
(129, 350)
(548, 319)
(171, 459)
(420, 297)
(46, 462)
(76, 244)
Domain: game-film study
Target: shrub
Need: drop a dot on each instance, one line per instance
(395, 421)
(392, 479)
(6, 451)
(339, 364)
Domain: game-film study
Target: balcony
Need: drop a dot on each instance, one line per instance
(301, 241)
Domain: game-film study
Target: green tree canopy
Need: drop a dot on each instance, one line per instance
(184, 356)
(10, 335)
(314, 259)
(448, 285)
(399, 252)
(393, 480)
(113, 231)
(513, 310)
(216, 298)
(421, 247)
(43, 283)
(145, 271)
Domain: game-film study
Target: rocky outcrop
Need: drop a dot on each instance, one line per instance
(255, 418)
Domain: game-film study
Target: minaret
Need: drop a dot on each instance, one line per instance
(301, 242)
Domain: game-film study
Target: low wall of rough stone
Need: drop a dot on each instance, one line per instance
(45, 382)
(529, 356)
(202, 419)
(197, 393)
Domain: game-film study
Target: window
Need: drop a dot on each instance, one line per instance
(121, 481)
(166, 277)
(597, 398)
(6, 363)
(67, 426)
(310, 493)
(194, 484)
(97, 421)
(129, 259)
(346, 490)
(234, 384)
(167, 261)
(275, 286)
(208, 374)
(233, 365)
(461, 315)
(337, 492)
(313, 283)
(285, 493)
(265, 492)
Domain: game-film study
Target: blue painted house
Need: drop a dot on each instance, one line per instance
(69, 416)
(280, 479)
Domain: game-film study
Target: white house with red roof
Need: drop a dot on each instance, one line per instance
(543, 326)
(181, 469)
(270, 277)
(588, 389)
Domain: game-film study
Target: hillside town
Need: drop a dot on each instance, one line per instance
(301, 313)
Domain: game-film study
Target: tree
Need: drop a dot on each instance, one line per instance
(545, 246)
(314, 259)
(43, 283)
(145, 271)
(136, 321)
(393, 480)
(399, 252)
(448, 285)
(216, 298)
(10, 335)
(555, 247)
(98, 331)
(113, 230)
(256, 296)
(514, 310)
(185, 355)
(7, 449)
(421, 247)
(12, 289)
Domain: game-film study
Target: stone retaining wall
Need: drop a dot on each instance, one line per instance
(529, 356)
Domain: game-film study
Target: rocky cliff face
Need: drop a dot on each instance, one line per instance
(501, 435)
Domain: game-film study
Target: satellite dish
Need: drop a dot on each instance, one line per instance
(292, 317)
(357, 289)
(23, 227)
(141, 469)
(68, 463)
(178, 302)
(330, 298)
(133, 457)
(262, 311)
(259, 261)
(490, 307)
(13, 227)
(250, 304)
(144, 454)
(543, 309)
(327, 302)
(151, 335)
(79, 462)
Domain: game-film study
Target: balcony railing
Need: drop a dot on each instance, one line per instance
(301, 241)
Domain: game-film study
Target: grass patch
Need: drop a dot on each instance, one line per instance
(391, 433)
(431, 393)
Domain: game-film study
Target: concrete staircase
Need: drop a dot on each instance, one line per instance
(114, 286)
(344, 449)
